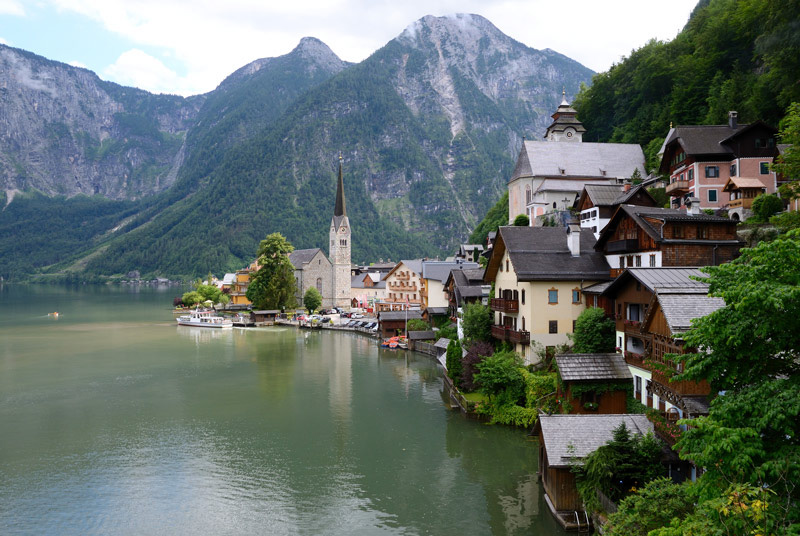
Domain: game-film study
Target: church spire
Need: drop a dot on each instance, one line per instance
(339, 210)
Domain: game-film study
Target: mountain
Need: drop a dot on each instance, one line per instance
(428, 127)
(741, 55)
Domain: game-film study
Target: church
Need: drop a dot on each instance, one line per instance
(549, 175)
(331, 274)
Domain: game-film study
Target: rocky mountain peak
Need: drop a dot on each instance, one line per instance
(319, 54)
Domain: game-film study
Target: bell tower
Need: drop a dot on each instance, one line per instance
(340, 247)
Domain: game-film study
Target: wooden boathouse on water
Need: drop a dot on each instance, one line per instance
(565, 440)
(594, 383)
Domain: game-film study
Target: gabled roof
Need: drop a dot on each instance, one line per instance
(541, 254)
(630, 194)
(415, 265)
(583, 367)
(442, 343)
(664, 280)
(574, 437)
(681, 309)
(641, 214)
(440, 270)
(602, 194)
(299, 257)
(388, 316)
(421, 335)
(735, 183)
(578, 159)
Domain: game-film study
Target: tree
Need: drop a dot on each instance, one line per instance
(636, 178)
(418, 324)
(751, 351)
(765, 205)
(788, 163)
(594, 332)
(453, 361)
(499, 374)
(273, 286)
(312, 299)
(192, 298)
(522, 220)
(651, 507)
(478, 351)
(477, 322)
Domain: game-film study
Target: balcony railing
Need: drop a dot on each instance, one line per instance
(505, 306)
(683, 388)
(618, 246)
(745, 202)
(504, 333)
(678, 188)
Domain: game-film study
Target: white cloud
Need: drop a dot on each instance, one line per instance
(11, 7)
(211, 39)
(139, 69)
(3, 42)
(76, 63)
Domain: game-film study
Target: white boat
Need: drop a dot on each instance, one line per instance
(204, 319)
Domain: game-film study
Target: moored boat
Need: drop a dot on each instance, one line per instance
(204, 319)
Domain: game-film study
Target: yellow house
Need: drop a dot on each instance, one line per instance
(240, 283)
(539, 274)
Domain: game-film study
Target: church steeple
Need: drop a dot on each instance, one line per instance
(340, 209)
(565, 126)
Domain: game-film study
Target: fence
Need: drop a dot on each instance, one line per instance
(425, 348)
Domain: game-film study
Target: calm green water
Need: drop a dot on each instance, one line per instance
(113, 420)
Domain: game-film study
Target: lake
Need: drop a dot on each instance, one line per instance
(113, 420)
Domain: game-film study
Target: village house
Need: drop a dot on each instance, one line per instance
(654, 237)
(598, 202)
(652, 308)
(469, 252)
(565, 440)
(549, 175)
(594, 383)
(700, 159)
(404, 287)
(391, 323)
(539, 275)
(436, 274)
(366, 289)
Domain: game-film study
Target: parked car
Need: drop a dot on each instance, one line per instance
(356, 315)
(326, 319)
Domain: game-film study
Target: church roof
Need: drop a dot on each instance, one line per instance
(340, 209)
(299, 257)
(578, 159)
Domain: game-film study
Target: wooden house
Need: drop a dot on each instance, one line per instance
(652, 237)
(391, 323)
(594, 383)
(568, 439)
(598, 202)
(264, 318)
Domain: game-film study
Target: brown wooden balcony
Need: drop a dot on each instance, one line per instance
(685, 387)
(505, 306)
(637, 360)
(744, 202)
(676, 188)
(504, 333)
(621, 246)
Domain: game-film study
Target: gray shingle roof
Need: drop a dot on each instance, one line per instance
(681, 309)
(664, 280)
(440, 270)
(583, 367)
(442, 343)
(548, 159)
(541, 253)
(398, 315)
(299, 257)
(421, 335)
(415, 265)
(576, 436)
(702, 139)
(604, 194)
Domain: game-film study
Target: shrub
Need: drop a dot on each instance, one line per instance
(522, 220)
(469, 364)
(500, 374)
(417, 324)
(766, 205)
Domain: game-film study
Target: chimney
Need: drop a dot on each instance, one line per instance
(693, 205)
(627, 187)
(574, 239)
(733, 119)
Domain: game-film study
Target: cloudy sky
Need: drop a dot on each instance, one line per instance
(189, 46)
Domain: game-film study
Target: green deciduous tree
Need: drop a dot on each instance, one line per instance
(766, 205)
(477, 322)
(273, 286)
(788, 163)
(418, 324)
(522, 220)
(499, 373)
(594, 332)
(312, 299)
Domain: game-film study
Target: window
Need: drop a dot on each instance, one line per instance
(759, 143)
(527, 195)
(638, 261)
(573, 326)
(506, 265)
(634, 312)
(712, 196)
(319, 284)
(343, 242)
(712, 171)
(523, 296)
(652, 261)
(677, 231)
(553, 325)
(552, 296)
(621, 261)
(690, 176)
(764, 168)
(702, 231)
(576, 296)
(733, 170)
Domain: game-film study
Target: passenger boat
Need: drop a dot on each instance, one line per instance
(204, 319)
